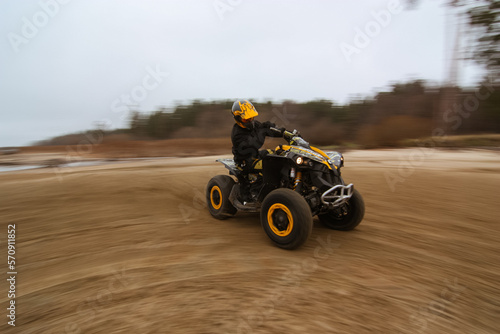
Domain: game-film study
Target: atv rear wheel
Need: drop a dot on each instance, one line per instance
(346, 217)
(218, 190)
(286, 218)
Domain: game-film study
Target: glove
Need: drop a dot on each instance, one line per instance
(269, 125)
(282, 130)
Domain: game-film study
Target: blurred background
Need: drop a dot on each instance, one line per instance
(106, 243)
(365, 74)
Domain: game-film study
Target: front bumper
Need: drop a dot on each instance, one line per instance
(337, 195)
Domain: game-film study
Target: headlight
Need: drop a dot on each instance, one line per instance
(336, 159)
(299, 160)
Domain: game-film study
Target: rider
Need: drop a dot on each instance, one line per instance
(248, 135)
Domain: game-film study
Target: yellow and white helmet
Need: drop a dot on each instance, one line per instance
(244, 113)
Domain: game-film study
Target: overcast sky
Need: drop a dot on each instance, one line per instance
(65, 65)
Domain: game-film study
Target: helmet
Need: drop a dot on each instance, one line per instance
(244, 112)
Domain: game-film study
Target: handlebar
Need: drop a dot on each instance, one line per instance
(286, 134)
(293, 138)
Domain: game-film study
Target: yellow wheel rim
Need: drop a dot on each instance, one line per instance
(216, 204)
(289, 228)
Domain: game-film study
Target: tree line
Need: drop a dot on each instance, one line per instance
(409, 110)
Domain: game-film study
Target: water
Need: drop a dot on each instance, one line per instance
(12, 168)
(17, 167)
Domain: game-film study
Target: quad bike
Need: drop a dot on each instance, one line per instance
(289, 186)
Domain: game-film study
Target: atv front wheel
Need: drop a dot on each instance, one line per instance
(286, 218)
(218, 190)
(346, 217)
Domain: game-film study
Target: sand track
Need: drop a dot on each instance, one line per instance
(131, 248)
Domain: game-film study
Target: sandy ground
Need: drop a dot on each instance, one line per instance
(131, 248)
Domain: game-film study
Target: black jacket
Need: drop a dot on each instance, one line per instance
(246, 143)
